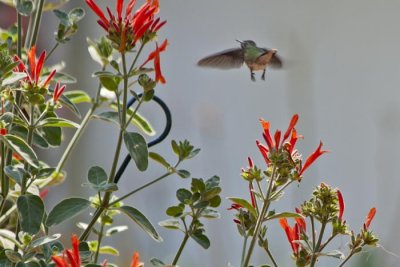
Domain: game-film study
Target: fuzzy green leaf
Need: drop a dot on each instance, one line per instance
(284, 215)
(77, 96)
(201, 239)
(66, 209)
(18, 145)
(57, 122)
(24, 7)
(170, 224)
(97, 175)
(142, 221)
(44, 240)
(137, 147)
(158, 158)
(245, 204)
(30, 211)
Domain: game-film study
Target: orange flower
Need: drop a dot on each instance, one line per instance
(58, 92)
(310, 160)
(292, 234)
(369, 218)
(135, 260)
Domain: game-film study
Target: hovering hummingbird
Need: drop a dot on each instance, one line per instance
(256, 58)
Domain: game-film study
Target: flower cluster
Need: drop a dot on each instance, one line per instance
(125, 30)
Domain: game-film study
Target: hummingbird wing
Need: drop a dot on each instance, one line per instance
(227, 59)
(275, 61)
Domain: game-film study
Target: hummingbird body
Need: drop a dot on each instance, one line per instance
(256, 58)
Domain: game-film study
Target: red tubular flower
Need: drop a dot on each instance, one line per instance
(152, 55)
(235, 206)
(310, 160)
(73, 258)
(300, 221)
(267, 134)
(250, 162)
(3, 131)
(58, 92)
(35, 68)
(292, 124)
(277, 137)
(291, 233)
(369, 218)
(135, 260)
(126, 30)
(341, 205)
(157, 67)
(264, 151)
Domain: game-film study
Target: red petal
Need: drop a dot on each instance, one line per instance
(369, 217)
(266, 134)
(71, 258)
(264, 151)
(75, 249)
(135, 260)
(129, 8)
(253, 199)
(310, 160)
(120, 4)
(289, 232)
(341, 205)
(292, 124)
(96, 9)
(39, 66)
(157, 68)
(32, 62)
(250, 162)
(59, 261)
(277, 138)
(48, 80)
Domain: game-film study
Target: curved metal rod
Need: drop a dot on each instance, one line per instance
(159, 139)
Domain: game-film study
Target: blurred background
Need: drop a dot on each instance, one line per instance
(341, 75)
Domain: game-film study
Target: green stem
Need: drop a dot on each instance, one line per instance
(136, 57)
(270, 256)
(75, 138)
(19, 34)
(347, 258)
(313, 231)
(100, 237)
(317, 246)
(7, 214)
(244, 249)
(181, 247)
(141, 188)
(260, 219)
(31, 129)
(52, 50)
(327, 242)
(36, 25)
(134, 112)
(96, 215)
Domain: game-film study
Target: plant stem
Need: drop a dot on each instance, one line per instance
(347, 258)
(74, 139)
(244, 249)
(96, 215)
(19, 34)
(100, 237)
(260, 219)
(136, 57)
(52, 50)
(36, 25)
(270, 256)
(316, 247)
(5, 184)
(178, 254)
(141, 188)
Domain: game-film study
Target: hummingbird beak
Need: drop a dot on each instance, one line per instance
(241, 42)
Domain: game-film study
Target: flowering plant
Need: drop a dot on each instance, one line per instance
(32, 95)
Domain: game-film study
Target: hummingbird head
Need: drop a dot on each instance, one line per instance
(247, 43)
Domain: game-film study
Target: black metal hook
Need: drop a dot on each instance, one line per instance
(159, 139)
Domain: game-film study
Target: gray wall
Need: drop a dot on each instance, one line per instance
(341, 75)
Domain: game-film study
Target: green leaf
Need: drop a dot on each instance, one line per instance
(45, 173)
(138, 120)
(245, 204)
(170, 224)
(183, 173)
(116, 229)
(29, 264)
(109, 250)
(76, 14)
(201, 239)
(210, 214)
(334, 253)
(158, 158)
(284, 215)
(66, 102)
(30, 211)
(13, 256)
(63, 17)
(211, 193)
(77, 96)
(15, 76)
(183, 195)
(137, 147)
(22, 132)
(198, 185)
(52, 135)
(24, 7)
(44, 240)
(57, 122)
(18, 145)
(215, 201)
(66, 209)
(111, 116)
(109, 83)
(157, 262)
(175, 211)
(142, 221)
(16, 173)
(64, 78)
(97, 175)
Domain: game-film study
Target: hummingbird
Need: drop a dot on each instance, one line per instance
(256, 58)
